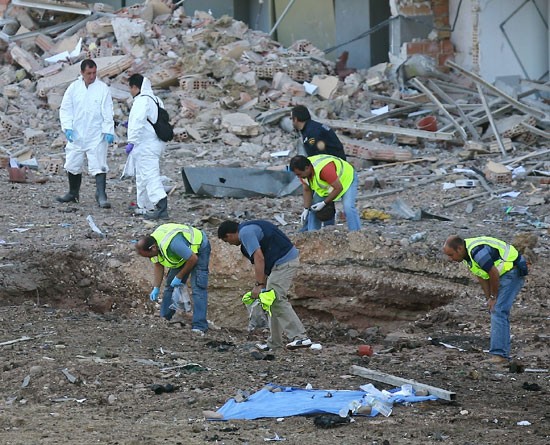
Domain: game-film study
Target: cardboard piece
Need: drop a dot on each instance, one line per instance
(327, 85)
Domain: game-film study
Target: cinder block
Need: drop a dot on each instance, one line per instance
(507, 142)
(189, 83)
(299, 75)
(51, 166)
(264, 72)
(497, 173)
(527, 138)
(181, 135)
(8, 125)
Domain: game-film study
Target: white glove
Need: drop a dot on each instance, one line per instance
(303, 216)
(319, 206)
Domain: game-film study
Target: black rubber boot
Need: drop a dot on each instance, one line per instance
(74, 189)
(100, 195)
(160, 212)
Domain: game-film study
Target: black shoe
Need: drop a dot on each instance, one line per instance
(74, 189)
(100, 195)
(160, 212)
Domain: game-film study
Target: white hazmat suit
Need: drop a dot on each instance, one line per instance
(89, 113)
(148, 148)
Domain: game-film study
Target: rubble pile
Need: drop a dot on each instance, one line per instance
(228, 90)
(205, 67)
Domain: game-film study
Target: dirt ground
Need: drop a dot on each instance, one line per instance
(78, 304)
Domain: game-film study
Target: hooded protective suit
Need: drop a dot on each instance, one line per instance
(89, 113)
(148, 148)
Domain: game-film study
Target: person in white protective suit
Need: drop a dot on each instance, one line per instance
(86, 116)
(146, 148)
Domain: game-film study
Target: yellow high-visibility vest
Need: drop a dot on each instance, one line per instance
(344, 170)
(508, 254)
(164, 235)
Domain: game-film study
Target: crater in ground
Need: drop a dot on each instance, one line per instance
(344, 279)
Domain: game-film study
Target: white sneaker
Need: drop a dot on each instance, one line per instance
(198, 332)
(300, 343)
(262, 347)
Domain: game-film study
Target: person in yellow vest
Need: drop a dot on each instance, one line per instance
(185, 251)
(326, 179)
(500, 269)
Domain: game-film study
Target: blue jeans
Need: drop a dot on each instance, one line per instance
(199, 285)
(313, 221)
(510, 285)
(348, 200)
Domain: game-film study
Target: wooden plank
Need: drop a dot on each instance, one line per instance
(374, 151)
(492, 103)
(538, 114)
(491, 120)
(465, 119)
(389, 129)
(434, 99)
(379, 376)
(395, 112)
(455, 88)
(65, 6)
(536, 130)
(411, 161)
(536, 85)
(527, 156)
(477, 195)
(388, 99)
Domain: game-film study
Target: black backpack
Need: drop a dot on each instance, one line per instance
(162, 126)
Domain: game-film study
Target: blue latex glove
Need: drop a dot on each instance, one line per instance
(69, 135)
(109, 138)
(129, 148)
(176, 282)
(154, 296)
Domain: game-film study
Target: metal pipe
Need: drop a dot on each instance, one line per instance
(280, 19)
(479, 80)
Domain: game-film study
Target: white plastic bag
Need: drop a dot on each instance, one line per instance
(180, 299)
(257, 317)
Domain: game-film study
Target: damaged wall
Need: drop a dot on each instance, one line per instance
(415, 18)
(499, 39)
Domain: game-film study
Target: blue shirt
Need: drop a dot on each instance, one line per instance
(180, 246)
(485, 256)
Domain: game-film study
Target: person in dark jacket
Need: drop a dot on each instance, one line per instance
(275, 260)
(317, 138)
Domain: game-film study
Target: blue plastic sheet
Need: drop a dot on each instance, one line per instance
(291, 401)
